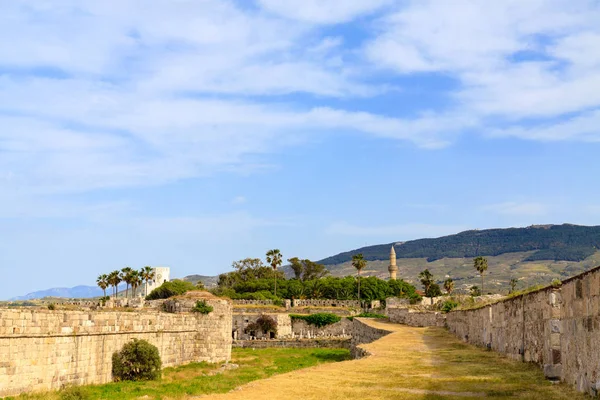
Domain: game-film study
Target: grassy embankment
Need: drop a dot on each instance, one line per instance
(203, 378)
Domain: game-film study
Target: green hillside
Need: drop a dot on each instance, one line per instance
(546, 242)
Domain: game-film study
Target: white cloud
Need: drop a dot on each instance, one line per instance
(402, 232)
(512, 60)
(518, 209)
(323, 11)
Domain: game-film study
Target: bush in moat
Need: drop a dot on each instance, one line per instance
(319, 320)
(138, 360)
(264, 323)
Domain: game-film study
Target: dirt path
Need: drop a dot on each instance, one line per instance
(411, 363)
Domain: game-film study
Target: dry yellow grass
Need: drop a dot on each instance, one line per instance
(411, 363)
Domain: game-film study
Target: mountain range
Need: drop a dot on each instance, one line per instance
(533, 255)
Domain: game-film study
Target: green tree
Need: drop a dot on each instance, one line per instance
(449, 285)
(513, 285)
(102, 282)
(147, 274)
(172, 288)
(114, 278)
(138, 360)
(434, 290)
(426, 279)
(274, 260)
(306, 269)
(359, 263)
(481, 265)
(126, 277)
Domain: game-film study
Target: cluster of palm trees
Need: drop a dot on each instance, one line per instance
(130, 276)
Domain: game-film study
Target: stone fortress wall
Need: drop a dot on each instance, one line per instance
(556, 328)
(46, 350)
(363, 333)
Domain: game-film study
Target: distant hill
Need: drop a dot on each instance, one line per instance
(548, 242)
(209, 281)
(77, 292)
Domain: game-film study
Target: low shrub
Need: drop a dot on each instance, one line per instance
(264, 323)
(319, 320)
(448, 306)
(172, 288)
(202, 308)
(370, 315)
(51, 307)
(73, 393)
(138, 360)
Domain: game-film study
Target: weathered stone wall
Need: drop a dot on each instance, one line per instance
(325, 303)
(301, 328)
(518, 327)
(363, 333)
(580, 331)
(415, 318)
(45, 350)
(335, 343)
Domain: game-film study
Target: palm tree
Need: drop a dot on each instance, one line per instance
(481, 265)
(359, 263)
(114, 278)
(126, 277)
(426, 278)
(135, 280)
(147, 274)
(449, 285)
(274, 260)
(102, 282)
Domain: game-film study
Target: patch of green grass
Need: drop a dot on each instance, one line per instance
(204, 378)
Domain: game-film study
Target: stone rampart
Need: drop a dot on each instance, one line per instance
(519, 327)
(362, 333)
(409, 317)
(45, 350)
(557, 328)
(580, 331)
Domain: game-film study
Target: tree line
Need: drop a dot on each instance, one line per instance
(131, 277)
(251, 279)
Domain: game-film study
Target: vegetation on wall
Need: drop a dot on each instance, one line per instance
(172, 288)
(202, 308)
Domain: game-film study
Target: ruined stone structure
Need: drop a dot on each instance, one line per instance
(242, 320)
(45, 350)
(393, 268)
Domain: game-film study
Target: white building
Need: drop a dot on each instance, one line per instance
(161, 275)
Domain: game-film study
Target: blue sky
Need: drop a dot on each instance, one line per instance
(194, 133)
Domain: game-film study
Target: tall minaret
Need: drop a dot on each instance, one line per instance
(393, 268)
